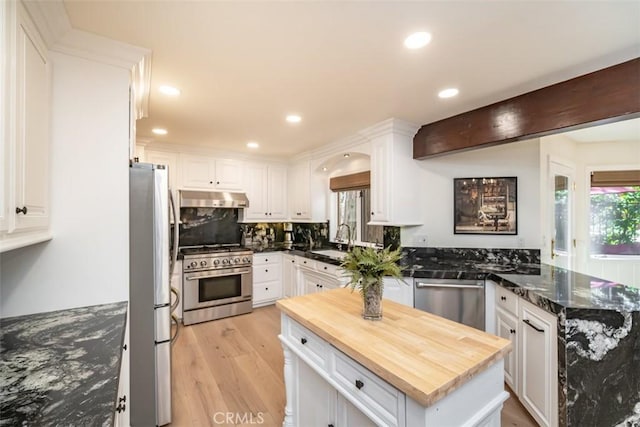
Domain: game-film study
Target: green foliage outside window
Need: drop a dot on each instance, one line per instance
(615, 221)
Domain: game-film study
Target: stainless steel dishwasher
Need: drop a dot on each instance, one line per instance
(456, 299)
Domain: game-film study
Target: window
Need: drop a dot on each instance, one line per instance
(353, 202)
(614, 226)
(354, 210)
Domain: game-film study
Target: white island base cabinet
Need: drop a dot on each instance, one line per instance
(325, 387)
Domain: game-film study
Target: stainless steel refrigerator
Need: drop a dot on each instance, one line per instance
(149, 295)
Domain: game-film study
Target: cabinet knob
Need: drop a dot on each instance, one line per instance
(121, 408)
(372, 213)
(330, 425)
(23, 210)
(122, 399)
(266, 213)
(269, 213)
(325, 268)
(217, 182)
(210, 182)
(266, 270)
(359, 384)
(266, 289)
(303, 340)
(124, 347)
(503, 298)
(513, 331)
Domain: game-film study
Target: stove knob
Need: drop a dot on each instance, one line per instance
(193, 264)
(216, 261)
(246, 260)
(225, 261)
(203, 263)
(236, 261)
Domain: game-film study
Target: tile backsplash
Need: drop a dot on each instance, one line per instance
(209, 226)
(267, 233)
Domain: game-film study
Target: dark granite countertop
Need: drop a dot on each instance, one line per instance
(61, 368)
(556, 288)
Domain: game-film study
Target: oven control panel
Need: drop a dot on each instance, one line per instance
(213, 262)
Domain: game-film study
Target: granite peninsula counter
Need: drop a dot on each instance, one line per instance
(61, 367)
(411, 368)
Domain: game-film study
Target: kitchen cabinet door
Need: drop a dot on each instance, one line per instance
(198, 172)
(398, 290)
(349, 415)
(507, 328)
(394, 176)
(122, 412)
(277, 192)
(289, 270)
(207, 173)
(266, 190)
(25, 147)
(300, 192)
(316, 399)
(538, 379)
(228, 175)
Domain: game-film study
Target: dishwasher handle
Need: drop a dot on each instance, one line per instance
(420, 285)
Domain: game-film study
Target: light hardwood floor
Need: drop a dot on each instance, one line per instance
(229, 373)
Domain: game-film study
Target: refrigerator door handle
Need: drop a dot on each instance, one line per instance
(176, 233)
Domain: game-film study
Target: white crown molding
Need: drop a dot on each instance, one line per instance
(54, 26)
(149, 144)
(390, 126)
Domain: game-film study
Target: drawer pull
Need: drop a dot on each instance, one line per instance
(266, 270)
(121, 408)
(303, 340)
(359, 384)
(266, 260)
(503, 298)
(122, 399)
(266, 289)
(325, 268)
(532, 325)
(513, 331)
(23, 210)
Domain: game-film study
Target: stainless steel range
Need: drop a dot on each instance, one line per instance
(217, 282)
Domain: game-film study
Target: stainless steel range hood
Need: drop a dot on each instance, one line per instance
(212, 199)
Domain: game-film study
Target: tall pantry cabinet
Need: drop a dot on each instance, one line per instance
(24, 148)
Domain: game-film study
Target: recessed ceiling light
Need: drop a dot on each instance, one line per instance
(169, 90)
(448, 93)
(294, 118)
(346, 155)
(417, 40)
(159, 131)
(253, 144)
(324, 169)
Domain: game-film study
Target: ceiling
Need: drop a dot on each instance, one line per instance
(243, 66)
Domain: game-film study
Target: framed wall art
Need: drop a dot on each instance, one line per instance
(485, 205)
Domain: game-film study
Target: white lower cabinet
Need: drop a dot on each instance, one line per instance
(538, 378)
(267, 278)
(398, 290)
(316, 276)
(531, 369)
(316, 400)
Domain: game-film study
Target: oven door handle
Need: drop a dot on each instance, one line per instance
(219, 273)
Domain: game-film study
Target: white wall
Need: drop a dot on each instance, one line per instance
(435, 190)
(87, 262)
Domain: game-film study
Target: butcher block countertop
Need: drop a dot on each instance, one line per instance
(423, 355)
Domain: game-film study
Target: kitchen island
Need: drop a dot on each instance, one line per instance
(62, 367)
(409, 369)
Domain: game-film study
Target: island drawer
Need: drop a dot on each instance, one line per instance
(381, 401)
(506, 300)
(308, 343)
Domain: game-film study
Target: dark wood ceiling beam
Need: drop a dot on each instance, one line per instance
(604, 96)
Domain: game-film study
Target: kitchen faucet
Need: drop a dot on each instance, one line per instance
(349, 242)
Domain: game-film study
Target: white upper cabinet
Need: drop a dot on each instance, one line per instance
(206, 173)
(307, 194)
(300, 192)
(394, 174)
(266, 187)
(25, 131)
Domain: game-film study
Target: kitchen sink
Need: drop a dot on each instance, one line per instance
(331, 253)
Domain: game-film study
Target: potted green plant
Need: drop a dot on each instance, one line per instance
(365, 268)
